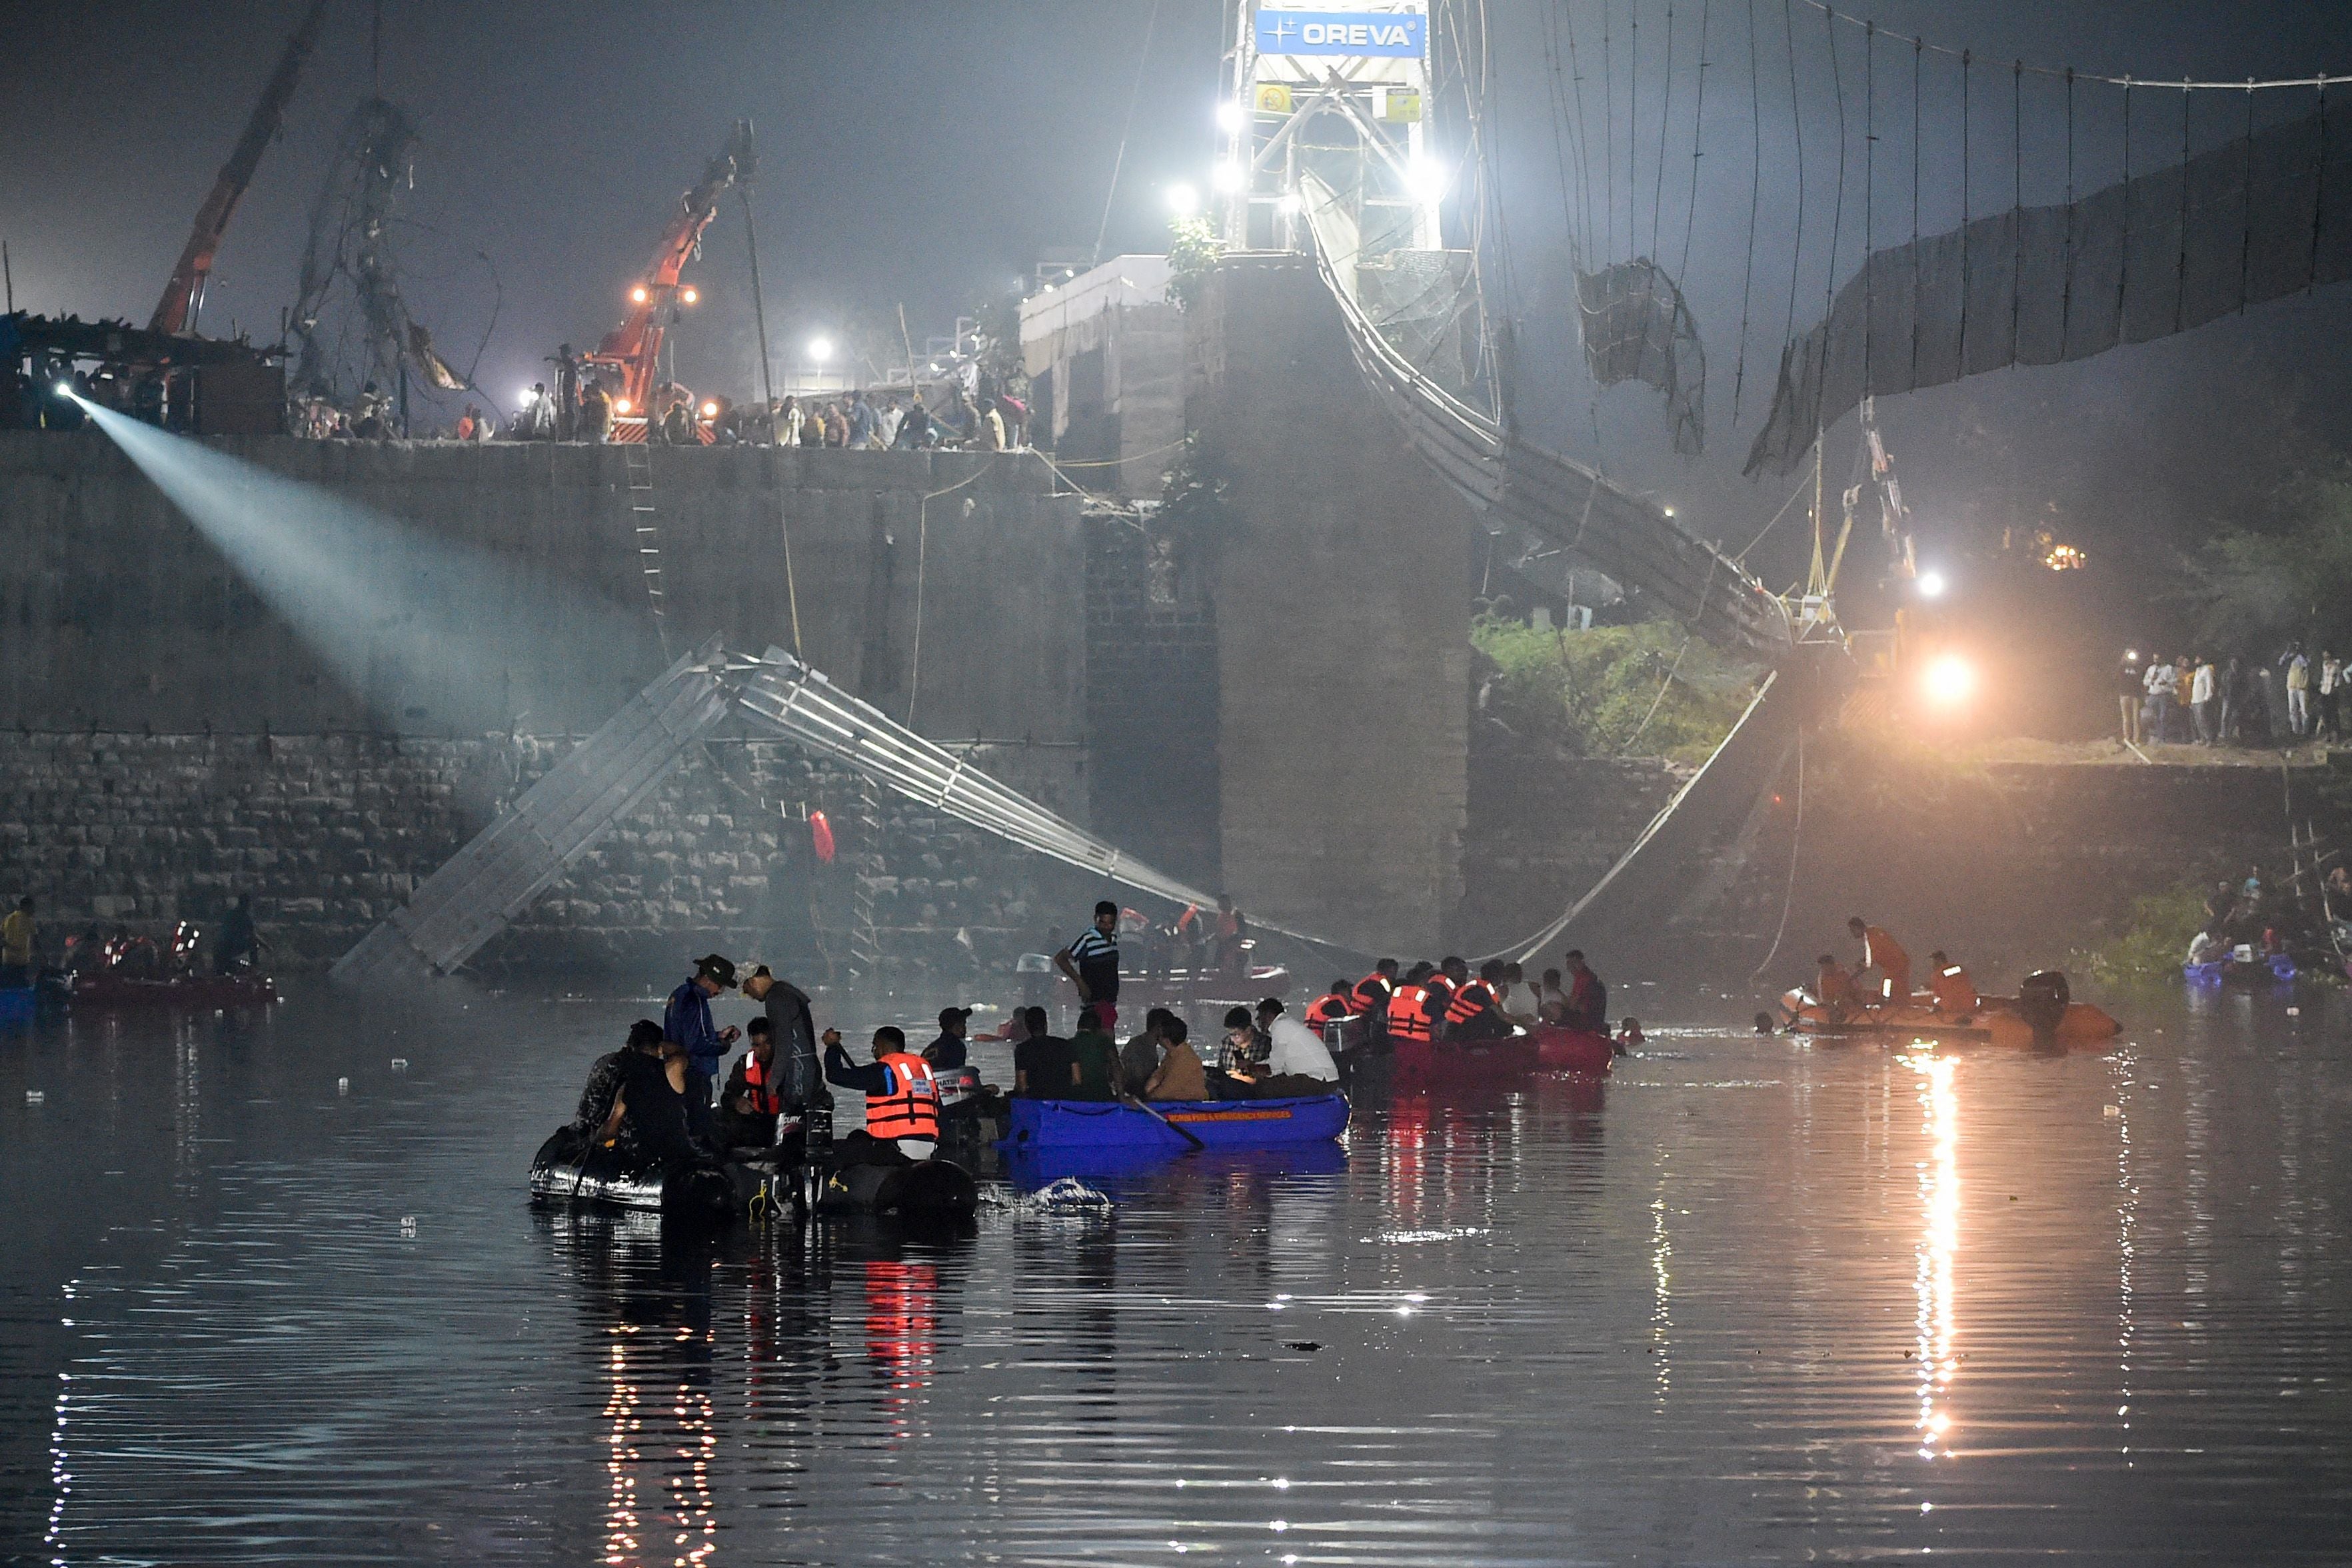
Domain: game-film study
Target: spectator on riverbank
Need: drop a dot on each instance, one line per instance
(2331, 681)
(860, 423)
(2298, 689)
(2156, 705)
(2130, 692)
(2200, 700)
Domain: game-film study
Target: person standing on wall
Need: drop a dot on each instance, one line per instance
(686, 1021)
(1091, 962)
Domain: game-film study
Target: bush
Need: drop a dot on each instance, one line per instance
(1594, 692)
(2154, 940)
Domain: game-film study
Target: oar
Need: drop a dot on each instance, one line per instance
(1183, 1133)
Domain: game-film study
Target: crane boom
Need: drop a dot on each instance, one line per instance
(184, 297)
(633, 348)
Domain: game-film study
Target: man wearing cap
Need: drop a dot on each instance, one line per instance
(686, 1020)
(948, 1050)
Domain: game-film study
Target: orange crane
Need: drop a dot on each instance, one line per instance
(184, 297)
(631, 352)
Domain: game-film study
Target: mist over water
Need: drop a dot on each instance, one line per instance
(407, 621)
(1752, 1301)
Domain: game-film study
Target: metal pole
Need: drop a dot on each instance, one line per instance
(10, 273)
(758, 304)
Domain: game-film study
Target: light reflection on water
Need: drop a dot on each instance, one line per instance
(1757, 1300)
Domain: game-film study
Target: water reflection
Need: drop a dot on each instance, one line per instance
(1939, 1240)
(1715, 1318)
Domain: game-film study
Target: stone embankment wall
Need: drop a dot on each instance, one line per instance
(327, 834)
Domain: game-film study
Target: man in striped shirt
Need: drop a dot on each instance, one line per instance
(1092, 964)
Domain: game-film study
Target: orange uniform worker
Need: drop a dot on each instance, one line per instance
(1372, 992)
(1834, 989)
(1408, 1008)
(1885, 954)
(1333, 1005)
(1956, 994)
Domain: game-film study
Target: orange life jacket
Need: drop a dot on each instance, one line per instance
(1956, 994)
(1468, 1003)
(1409, 1012)
(765, 1101)
(911, 1108)
(1372, 992)
(1328, 1009)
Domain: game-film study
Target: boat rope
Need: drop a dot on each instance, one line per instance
(1796, 839)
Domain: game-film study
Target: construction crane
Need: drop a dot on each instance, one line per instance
(184, 297)
(630, 355)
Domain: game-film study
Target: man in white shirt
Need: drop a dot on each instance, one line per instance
(2200, 700)
(1297, 1063)
(2163, 680)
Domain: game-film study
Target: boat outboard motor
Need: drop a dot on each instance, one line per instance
(2043, 998)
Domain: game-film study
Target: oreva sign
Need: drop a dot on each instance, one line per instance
(1392, 33)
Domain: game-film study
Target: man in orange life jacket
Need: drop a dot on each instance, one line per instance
(1475, 1011)
(1333, 1005)
(1410, 1013)
(1956, 994)
(1884, 954)
(750, 1105)
(902, 1103)
(1372, 993)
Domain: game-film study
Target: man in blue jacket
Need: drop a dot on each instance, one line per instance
(686, 1020)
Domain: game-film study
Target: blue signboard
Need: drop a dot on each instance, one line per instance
(1400, 34)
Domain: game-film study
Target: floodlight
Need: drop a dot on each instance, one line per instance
(1950, 681)
(1932, 585)
(689, 296)
(1183, 200)
(820, 350)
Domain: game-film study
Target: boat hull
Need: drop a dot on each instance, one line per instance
(1217, 1124)
(184, 993)
(1466, 1060)
(1573, 1050)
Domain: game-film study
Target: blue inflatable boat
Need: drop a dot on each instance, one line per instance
(1217, 1124)
(2240, 971)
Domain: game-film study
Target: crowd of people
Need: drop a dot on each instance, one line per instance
(2254, 919)
(234, 945)
(2190, 699)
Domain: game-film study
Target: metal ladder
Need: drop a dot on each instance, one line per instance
(865, 937)
(638, 459)
(545, 832)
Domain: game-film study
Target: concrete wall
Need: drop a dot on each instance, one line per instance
(120, 614)
(1342, 592)
(328, 833)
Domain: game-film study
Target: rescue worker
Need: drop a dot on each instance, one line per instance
(1834, 989)
(237, 946)
(1333, 1005)
(902, 1103)
(1884, 954)
(1629, 1035)
(1091, 962)
(606, 1075)
(1440, 982)
(1956, 994)
(1588, 997)
(686, 1020)
(753, 1098)
(791, 1024)
(1371, 994)
(1408, 1017)
(1475, 1011)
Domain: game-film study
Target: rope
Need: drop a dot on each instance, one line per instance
(1796, 118)
(2321, 80)
(1741, 558)
(1115, 461)
(1837, 209)
(1143, 58)
(922, 553)
(1755, 197)
(1796, 841)
(1672, 670)
(1699, 127)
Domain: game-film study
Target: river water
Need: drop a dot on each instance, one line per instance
(1757, 1302)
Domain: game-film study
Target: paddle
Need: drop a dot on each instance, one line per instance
(1184, 1134)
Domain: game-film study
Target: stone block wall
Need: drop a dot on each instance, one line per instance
(327, 834)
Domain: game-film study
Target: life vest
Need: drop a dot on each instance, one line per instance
(1956, 994)
(911, 1108)
(1409, 1012)
(1471, 999)
(1328, 1009)
(1372, 992)
(759, 1082)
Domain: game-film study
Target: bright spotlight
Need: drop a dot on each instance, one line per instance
(1290, 203)
(710, 411)
(1425, 180)
(1229, 115)
(689, 296)
(1950, 681)
(1226, 176)
(63, 389)
(1183, 200)
(1932, 585)
(621, 405)
(820, 350)
(526, 397)
(637, 294)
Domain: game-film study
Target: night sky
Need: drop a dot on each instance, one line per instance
(923, 154)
